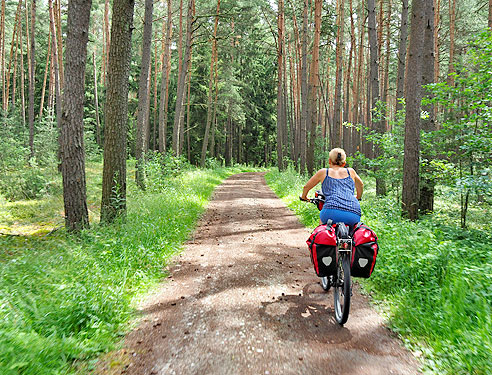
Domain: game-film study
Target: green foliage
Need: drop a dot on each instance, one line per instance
(388, 166)
(21, 178)
(65, 298)
(433, 279)
(465, 138)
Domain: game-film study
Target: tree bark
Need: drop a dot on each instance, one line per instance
(402, 55)
(410, 193)
(347, 141)
(143, 88)
(178, 118)
(280, 102)
(56, 67)
(106, 43)
(46, 70)
(384, 92)
(210, 87)
(304, 89)
(32, 77)
(113, 203)
(427, 183)
(96, 100)
(314, 84)
(452, 27)
(337, 136)
(374, 79)
(166, 67)
(2, 53)
(23, 99)
(72, 129)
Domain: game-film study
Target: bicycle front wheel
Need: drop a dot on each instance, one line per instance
(343, 289)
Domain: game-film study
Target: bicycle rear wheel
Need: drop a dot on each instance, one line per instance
(342, 290)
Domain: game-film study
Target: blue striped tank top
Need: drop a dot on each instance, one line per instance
(339, 193)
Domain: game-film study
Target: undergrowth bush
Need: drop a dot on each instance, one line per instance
(65, 298)
(432, 278)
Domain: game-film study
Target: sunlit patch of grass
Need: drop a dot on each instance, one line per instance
(64, 298)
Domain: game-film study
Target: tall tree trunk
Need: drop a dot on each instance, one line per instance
(314, 84)
(46, 70)
(72, 129)
(426, 200)
(113, 201)
(280, 102)
(56, 67)
(13, 53)
(377, 125)
(22, 83)
(410, 193)
(178, 118)
(214, 115)
(143, 88)
(452, 27)
(166, 67)
(2, 52)
(32, 76)
(96, 100)
(156, 70)
(384, 92)
(347, 144)
(402, 55)
(358, 87)
(106, 43)
(437, 12)
(210, 87)
(337, 136)
(304, 88)
(59, 43)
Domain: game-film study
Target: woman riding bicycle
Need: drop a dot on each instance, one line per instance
(338, 184)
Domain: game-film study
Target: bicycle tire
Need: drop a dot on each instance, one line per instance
(325, 283)
(343, 290)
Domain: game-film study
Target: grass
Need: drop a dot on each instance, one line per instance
(64, 298)
(432, 278)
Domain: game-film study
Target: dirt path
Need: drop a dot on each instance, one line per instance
(243, 298)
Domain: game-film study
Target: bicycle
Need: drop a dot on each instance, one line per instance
(341, 280)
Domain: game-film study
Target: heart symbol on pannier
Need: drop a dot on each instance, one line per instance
(326, 260)
(363, 262)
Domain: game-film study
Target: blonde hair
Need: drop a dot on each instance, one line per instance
(337, 156)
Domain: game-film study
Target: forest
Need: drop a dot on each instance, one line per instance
(108, 103)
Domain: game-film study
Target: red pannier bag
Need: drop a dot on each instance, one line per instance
(322, 244)
(364, 251)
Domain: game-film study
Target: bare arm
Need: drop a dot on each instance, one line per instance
(313, 181)
(359, 185)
